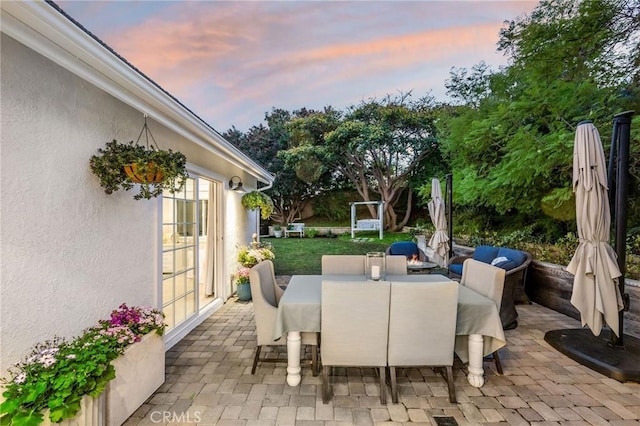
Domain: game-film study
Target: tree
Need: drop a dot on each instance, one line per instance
(511, 147)
(379, 147)
(467, 87)
(273, 147)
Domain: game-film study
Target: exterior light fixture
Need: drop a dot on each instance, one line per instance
(235, 184)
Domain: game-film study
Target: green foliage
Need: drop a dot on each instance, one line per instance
(109, 167)
(633, 241)
(311, 233)
(58, 373)
(334, 205)
(258, 200)
(511, 144)
(380, 146)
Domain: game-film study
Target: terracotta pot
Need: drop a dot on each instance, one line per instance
(153, 175)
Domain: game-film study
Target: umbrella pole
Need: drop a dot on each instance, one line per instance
(449, 195)
(622, 130)
(611, 169)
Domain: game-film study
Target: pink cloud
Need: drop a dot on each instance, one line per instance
(221, 55)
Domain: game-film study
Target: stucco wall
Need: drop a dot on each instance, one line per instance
(70, 253)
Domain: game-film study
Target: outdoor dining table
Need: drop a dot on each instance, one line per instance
(479, 331)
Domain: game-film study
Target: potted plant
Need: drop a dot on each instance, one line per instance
(123, 165)
(58, 376)
(277, 231)
(243, 286)
(251, 256)
(248, 257)
(258, 200)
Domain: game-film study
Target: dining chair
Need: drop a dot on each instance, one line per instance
(396, 264)
(266, 294)
(488, 281)
(347, 264)
(354, 328)
(422, 329)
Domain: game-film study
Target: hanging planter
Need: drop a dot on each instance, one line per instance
(141, 173)
(125, 165)
(258, 200)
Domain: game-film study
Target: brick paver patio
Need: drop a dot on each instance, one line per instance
(209, 382)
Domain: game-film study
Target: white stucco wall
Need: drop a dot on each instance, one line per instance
(69, 253)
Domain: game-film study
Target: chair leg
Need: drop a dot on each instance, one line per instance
(314, 360)
(496, 360)
(394, 385)
(325, 384)
(383, 386)
(452, 389)
(255, 360)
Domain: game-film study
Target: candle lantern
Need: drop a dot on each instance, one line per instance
(376, 266)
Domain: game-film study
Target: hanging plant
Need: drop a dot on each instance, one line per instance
(258, 200)
(125, 165)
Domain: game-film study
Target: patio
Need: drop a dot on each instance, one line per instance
(209, 381)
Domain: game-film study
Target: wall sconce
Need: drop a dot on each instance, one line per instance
(235, 184)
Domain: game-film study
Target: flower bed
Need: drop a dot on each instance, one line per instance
(57, 374)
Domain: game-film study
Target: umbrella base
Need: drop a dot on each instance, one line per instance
(617, 362)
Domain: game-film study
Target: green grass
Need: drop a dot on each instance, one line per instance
(295, 256)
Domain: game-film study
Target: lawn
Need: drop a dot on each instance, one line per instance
(296, 256)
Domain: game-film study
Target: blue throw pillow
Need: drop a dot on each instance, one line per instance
(485, 253)
(507, 265)
(516, 256)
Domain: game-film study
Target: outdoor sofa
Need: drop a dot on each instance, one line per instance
(515, 263)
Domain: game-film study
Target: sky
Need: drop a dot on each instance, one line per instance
(231, 62)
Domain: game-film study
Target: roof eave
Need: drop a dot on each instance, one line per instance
(46, 30)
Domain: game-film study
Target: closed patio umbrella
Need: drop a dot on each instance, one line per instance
(596, 293)
(439, 241)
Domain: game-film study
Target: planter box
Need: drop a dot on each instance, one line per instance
(92, 413)
(139, 372)
(551, 286)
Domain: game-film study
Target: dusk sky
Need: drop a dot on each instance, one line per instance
(231, 62)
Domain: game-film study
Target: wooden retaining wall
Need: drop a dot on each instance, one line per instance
(551, 286)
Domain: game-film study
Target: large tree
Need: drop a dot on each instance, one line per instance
(511, 142)
(380, 146)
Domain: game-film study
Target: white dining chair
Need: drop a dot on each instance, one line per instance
(266, 293)
(488, 281)
(396, 264)
(347, 264)
(422, 329)
(354, 328)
